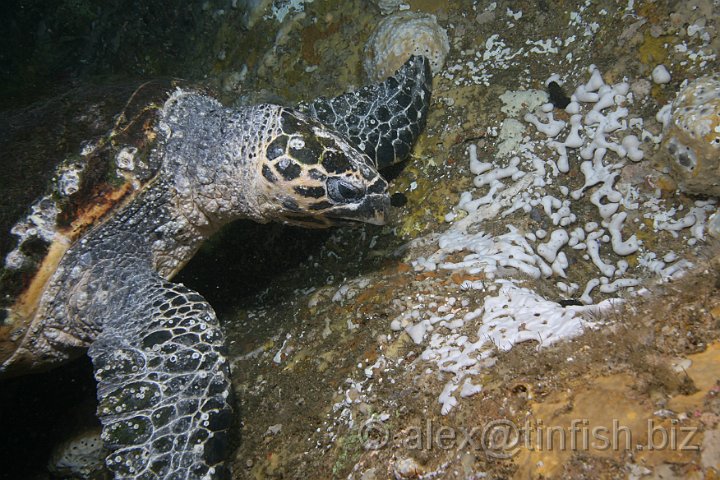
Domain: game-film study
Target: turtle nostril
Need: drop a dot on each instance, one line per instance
(342, 191)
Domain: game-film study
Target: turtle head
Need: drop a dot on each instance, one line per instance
(312, 177)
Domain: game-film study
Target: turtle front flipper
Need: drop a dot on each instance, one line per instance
(163, 387)
(385, 119)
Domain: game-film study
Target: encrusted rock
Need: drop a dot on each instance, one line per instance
(252, 10)
(691, 137)
(389, 6)
(407, 468)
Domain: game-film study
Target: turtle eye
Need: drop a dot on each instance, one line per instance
(342, 191)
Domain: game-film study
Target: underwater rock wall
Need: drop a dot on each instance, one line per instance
(535, 215)
(691, 137)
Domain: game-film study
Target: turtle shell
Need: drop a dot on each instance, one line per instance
(70, 162)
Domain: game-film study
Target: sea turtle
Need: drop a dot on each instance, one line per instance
(93, 259)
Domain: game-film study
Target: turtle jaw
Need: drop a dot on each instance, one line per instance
(372, 209)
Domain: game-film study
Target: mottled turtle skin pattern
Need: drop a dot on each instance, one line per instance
(382, 120)
(156, 346)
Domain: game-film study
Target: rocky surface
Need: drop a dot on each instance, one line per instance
(446, 345)
(691, 137)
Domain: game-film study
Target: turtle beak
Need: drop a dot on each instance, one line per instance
(373, 208)
(376, 208)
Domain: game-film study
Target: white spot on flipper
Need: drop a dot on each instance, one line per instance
(296, 143)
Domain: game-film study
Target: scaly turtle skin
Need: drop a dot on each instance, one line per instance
(94, 258)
